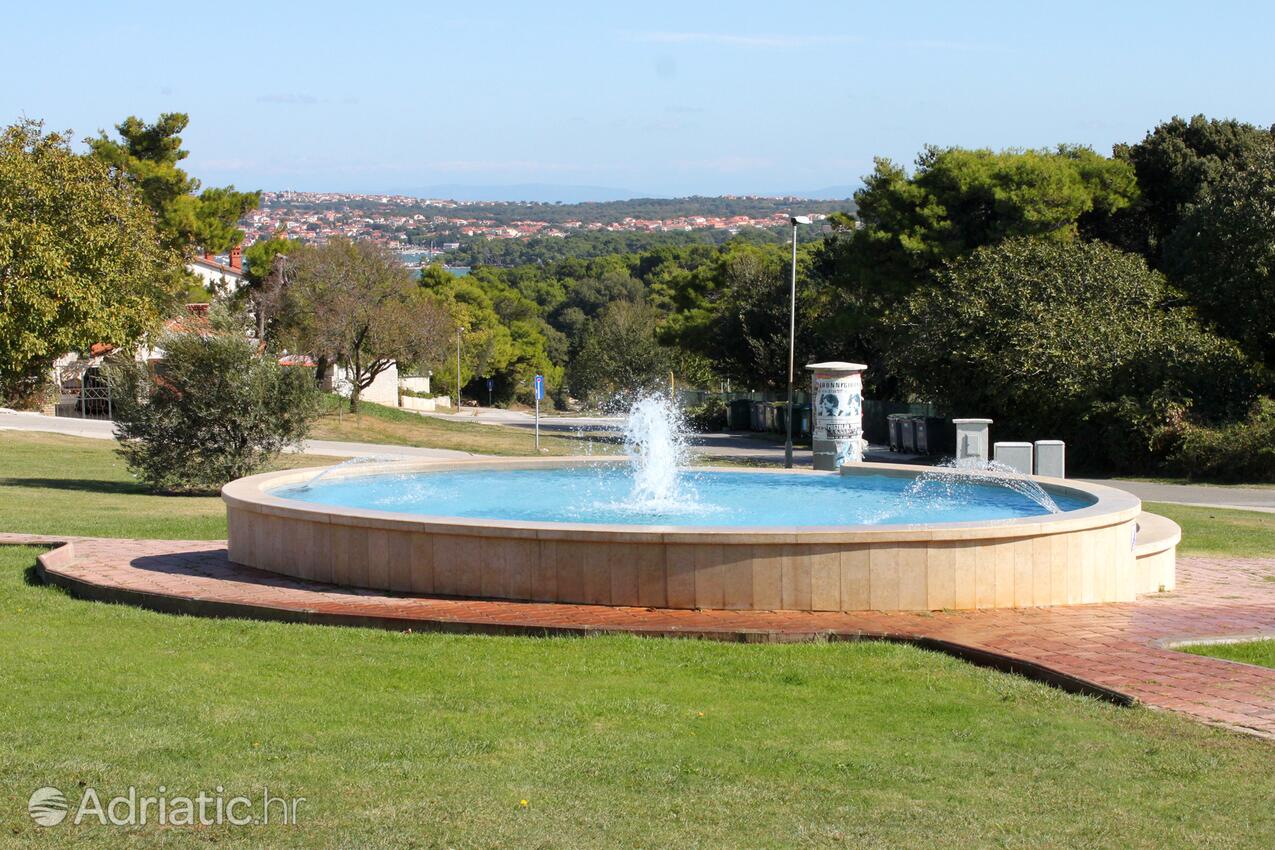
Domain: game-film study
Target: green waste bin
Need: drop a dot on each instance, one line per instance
(739, 414)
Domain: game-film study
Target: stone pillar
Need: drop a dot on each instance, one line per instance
(971, 439)
(1051, 458)
(836, 415)
(1017, 456)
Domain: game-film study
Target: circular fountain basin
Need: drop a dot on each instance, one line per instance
(562, 530)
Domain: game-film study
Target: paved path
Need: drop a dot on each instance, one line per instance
(1205, 495)
(102, 430)
(1120, 650)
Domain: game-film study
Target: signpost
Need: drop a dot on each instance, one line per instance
(539, 385)
(490, 386)
(837, 400)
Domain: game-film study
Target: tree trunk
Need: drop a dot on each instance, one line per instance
(354, 396)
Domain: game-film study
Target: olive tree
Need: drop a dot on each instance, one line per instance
(355, 303)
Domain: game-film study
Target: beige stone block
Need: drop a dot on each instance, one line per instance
(855, 578)
(965, 577)
(544, 575)
(522, 558)
(825, 578)
(623, 561)
(680, 564)
(985, 591)
(737, 577)
(913, 560)
(709, 585)
(378, 558)
(494, 568)
(883, 578)
(1058, 550)
(1075, 568)
(940, 574)
(570, 572)
(399, 553)
(1024, 556)
(422, 563)
(795, 568)
(652, 579)
(1003, 552)
(768, 581)
(595, 572)
(448, 565)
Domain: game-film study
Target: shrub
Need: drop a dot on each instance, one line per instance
(1240, 451)
(1070, 341)
(212, 410)
(707, 417)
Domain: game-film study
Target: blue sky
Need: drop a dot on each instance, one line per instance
(657, 98)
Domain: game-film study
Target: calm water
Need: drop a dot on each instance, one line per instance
(604, 495)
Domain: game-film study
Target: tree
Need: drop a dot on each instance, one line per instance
(620, 355)
(355, 303)
(1065, 340)
(1178, 160)
(213, 410)
(80, 259)
(147, 156)
(268, 277)
(1222, 254)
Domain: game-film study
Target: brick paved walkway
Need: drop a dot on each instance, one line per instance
(1119, 650)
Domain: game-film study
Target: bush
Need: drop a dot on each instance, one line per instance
(1241, 451)
(211, 411)
(1070, 341)
(707, 417)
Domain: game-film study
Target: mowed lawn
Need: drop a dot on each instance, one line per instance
(422, 740)
(375, 423)
(1217, 531)
(1260, 652)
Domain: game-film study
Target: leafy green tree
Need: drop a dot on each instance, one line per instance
(356, 304)
(1222, 254)
(80, 261)
(147, 156)
(1176, 162)
(1065, 340)
(213, 410)
(620, 355)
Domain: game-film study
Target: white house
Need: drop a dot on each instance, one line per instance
(222, 279)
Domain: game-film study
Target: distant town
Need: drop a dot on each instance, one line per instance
(425, 228)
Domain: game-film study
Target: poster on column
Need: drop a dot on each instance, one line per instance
(838, 414)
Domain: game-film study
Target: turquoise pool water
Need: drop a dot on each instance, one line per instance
(604, 494)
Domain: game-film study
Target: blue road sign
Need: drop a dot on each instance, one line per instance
(540, 387)
(491, 385)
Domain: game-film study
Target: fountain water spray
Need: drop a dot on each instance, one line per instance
(951, 476)
(655, 443)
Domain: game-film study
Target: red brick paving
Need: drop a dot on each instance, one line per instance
(1117, 649)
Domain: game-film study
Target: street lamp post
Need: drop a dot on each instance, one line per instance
(460, 329)
(792, 335)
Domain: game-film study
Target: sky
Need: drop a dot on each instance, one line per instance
(655, 98)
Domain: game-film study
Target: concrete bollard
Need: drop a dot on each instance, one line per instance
(1017, 456)
(972, 438)
(1051, 458)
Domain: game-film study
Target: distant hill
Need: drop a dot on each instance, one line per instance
(545, 193)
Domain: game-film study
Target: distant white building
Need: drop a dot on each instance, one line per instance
(220, 278)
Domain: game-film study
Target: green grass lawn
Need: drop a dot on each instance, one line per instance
(423, 740)
(1217, 531)
(1260, 652)
(377, 423)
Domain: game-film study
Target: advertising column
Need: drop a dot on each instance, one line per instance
(836, 401)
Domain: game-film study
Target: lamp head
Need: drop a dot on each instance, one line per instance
(799, 219)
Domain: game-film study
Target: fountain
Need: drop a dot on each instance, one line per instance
(646, 529)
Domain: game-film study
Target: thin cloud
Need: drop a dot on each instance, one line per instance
(293, 98)
(766, 40)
